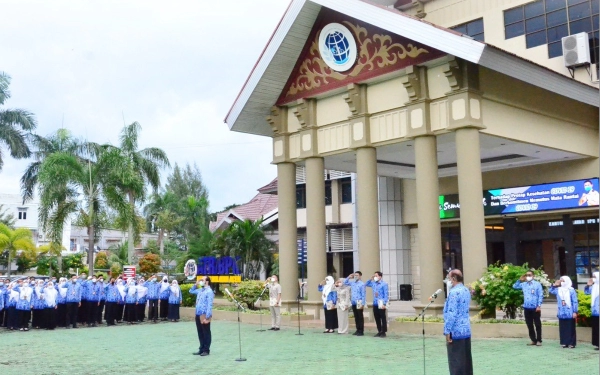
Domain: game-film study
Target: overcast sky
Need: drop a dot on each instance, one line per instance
(173, 66)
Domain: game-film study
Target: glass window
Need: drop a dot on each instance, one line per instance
(328, 193)
(554, 5)
(346, 186)
(580, 26)
(595, 22)
(572, 2)
(556, 18)
(473, 29)
(535, 39)
(535, 24)
(461, 29)
(557, 33)
(534, 9)
(513, 15)
(300, 196)
(595, 7)
(579, 11)
(514, 30)
(555, 49)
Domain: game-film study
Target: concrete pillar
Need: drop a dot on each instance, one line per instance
(288, 253)
(335, 201)
(428, 220)
(511, 241)
(367, 210)
(315, 226)
(470, 196)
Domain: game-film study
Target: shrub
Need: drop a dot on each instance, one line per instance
(101, 260)
(149, 264)
(247, 292)
(494, 289)
(585, 309)
(187, 299)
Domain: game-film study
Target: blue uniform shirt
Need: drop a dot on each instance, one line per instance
(380, 291)
(73, 292)
(173, 299)
(165, 293)
(358, 289)
(153, 290)
(112, 293)
(204, 300)
(332, 296)
(564, 311)
(596, 303)
(456, 313)
(533, 293)
(94, 291)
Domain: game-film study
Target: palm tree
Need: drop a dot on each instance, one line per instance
(14, 125)
(247, 240)
(158, 213)
(7, 218)
(15, 240)
(138, 168)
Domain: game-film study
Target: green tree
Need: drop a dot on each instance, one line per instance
(149, 264)
(15, 125)
(159, 213)
(49, 256)
(101, 260)
(6, 217)
(247, 240)
(26, 260)
(13, 240)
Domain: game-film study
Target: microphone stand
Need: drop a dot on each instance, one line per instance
(422, 315)
(240, 307)
(259, 301)
(298, 312)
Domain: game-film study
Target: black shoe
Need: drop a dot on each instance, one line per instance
(382, 335)
(355, 333)
(204, 354)
(378, 334)
(360, 334)
(272, 329)
(596, 348)
(197, 353)
(276, 329)
(75, 327)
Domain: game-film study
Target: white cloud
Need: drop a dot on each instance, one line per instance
(175, 67)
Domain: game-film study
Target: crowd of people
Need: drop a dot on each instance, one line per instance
(81, 301)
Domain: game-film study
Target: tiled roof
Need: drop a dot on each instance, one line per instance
(258, 206)
(270, 188)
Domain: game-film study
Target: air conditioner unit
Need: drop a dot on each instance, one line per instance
(576, 50)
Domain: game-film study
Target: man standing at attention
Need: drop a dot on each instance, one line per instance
(204, 304)
(380, 300)
(274, 302)
(457, 325)
(533, 294)
(358, 300)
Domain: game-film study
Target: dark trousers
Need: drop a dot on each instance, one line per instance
(204, 335)
(164, 308)
(153, 309)
(3, 316)
(460, 361)
(109, 313)
(595, 330)
(12, 318)
(566, 330)
(130, 312)
(24, 316)
(99, 311)
(140, 311)
(82, 312)
(380, 319)
(72, 312)
(61, 315)
(331, 320)
(359, 319)
(532, 318)
(36, 318)
(173, 311)
(50, 318)
(92, 312)
(119, 312)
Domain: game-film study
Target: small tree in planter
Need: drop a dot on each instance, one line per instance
(494, 289)
(247, 293)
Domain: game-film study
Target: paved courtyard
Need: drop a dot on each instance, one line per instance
(166, 348)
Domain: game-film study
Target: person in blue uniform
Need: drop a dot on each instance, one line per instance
(50, 306)
(112, 298)
(5, 296)
(457, 325)
(61, 303)
(592, 289)
(37, 301)
(102, 301)
(120, 309)
(130, 301)
(204, 303)
(142, 292)
(73, 301)
(93, 290)
(2, 292)
(329, 298)
(380, 301)
(163, 296)
(533, 294)
(24, 306)
(358, 299)
(568, 306)
(12, 317)
(175, 299)
(153, 293)
(84, 282)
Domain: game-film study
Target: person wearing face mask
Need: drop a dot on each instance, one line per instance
(24, 306)
(131, 301)
(358, 299)
(567, 305)
(457, 325)
(204, 303)
(153, 293)
(142, 292)
(2, 291)
(102, 301)
(380, 300)
(93, 301)
(112, 298)
(37, 301)
(533, 294)
(12, 317)
(50, 306)
(174, 301)
(163, 296)
(82, 313)
(119, 309)
(73, 301)
(591, 196)
(61, 302)
(592, 289)
(343, 305)
(274, 302)
(329, 297)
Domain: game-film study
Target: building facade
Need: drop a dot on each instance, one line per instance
(466, 146)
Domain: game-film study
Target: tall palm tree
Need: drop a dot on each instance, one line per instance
(6, 217)
(15, 124)
(138, 169)
(15, 240)
(159, 213)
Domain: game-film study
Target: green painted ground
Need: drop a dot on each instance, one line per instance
(166, 348)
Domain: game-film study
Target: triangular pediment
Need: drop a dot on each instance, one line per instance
(376, 52)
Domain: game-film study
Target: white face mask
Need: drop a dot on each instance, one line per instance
(448, 284)
(528, 278)
(201, 283)
(562, 283)
(376, 279)
(273, 280)
(94, 280)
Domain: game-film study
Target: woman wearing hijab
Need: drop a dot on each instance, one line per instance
(37, 301)
(567, 311)
(174, 301)
(121, 300)
(50, 306)
(24, 306)
(163, 295)
(12, 317)
(329, 297)
(343, 305)
(592, 289)
(130, 301)
(61, 302)
(142, 292)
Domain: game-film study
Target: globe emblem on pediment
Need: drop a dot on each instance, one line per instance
(337, 47)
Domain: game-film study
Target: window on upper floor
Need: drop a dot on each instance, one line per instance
(22, 214)
(346, 189)
(474, 29)
(328, 193)
(548, 21)
(301, 196)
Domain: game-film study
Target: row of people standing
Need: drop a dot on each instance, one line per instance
(338, 297)
(83, 301)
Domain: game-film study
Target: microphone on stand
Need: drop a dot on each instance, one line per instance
(433, 296)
